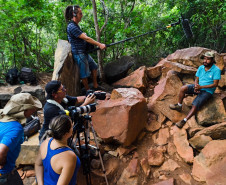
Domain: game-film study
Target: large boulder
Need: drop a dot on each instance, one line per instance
(180, 68)
(166, 93)
(122, 117)
(182, 145)
(213, 112)
(29, 151)
(217, 131)
(154, 72)
(65, 69)
(191, 57)
(137, 79)
(117, 70)
(210, 163)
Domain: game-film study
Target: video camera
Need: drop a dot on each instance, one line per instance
(74, 111)
(99, 95)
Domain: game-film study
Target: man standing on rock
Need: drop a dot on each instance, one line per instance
(206, 81)
(19, 107)
(79, 41)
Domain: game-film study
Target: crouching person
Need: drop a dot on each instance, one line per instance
(19, 107)
(56, 162)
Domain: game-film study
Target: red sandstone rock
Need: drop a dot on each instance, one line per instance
(213, 156)
(155, 157)
(182, 145)
(122, 117)
(137, 79)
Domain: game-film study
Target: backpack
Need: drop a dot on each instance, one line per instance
(28, 76)
(12, 76)
(31, 127)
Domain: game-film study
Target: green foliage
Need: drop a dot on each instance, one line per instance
(30, 29)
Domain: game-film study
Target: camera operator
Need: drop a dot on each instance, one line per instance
(57, 101)
(56, 163)
(19, 107)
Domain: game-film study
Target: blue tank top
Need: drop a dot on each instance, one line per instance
(50, 176)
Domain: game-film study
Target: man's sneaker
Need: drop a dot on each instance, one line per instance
(180, 124)
(175, 107)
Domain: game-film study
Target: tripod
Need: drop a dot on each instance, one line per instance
(82, 125)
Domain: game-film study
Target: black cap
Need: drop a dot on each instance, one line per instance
(52, 87)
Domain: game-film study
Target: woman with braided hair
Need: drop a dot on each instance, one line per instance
(79, 41)
(56, 162)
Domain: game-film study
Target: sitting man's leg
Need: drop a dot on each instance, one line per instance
(186, 89)
(201, 99)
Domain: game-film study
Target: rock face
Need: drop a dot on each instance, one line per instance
(122, 117)
(191, 57)
(65, 69)
(182, 145)
(117, 70)
(165, 93)
(29, 151)
(137, 79)
(7, 91)
(211, 163)
(165, 153)
(213, 112)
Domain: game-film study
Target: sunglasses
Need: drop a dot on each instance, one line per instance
(62, 90)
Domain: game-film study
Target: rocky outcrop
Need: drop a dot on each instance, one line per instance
(122, 117)
(65, 68)
(7, 91)
(191, 57)
(213, 112)
(137, 79)
(211, 163)
(29, 151)
(165, 93)
(182, 145)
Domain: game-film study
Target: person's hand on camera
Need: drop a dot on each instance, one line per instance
(89, 99)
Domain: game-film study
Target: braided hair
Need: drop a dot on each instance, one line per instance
(69, 14)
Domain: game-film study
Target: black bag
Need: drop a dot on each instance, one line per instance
(13, 76)
(28, 76)
(32, 127)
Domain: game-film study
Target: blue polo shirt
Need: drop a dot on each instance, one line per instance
(12, 135)
(208, 77)
(73, 32)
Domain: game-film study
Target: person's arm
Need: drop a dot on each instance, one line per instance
(83, 36)
(68, 169)
(3, 154)
(39, 170)
(215, 84)
(89, 99)
(10, 141)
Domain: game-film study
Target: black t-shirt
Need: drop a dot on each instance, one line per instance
(51, 111)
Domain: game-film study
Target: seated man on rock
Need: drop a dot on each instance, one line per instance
(57, 101)
(206, 81)
(19, 107)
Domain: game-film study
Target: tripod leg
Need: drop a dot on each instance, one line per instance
(98, 149)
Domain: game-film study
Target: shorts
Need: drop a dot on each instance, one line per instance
(11, 178)
(85, 63)
(201, 98)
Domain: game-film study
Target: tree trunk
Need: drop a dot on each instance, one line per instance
(98, 36)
